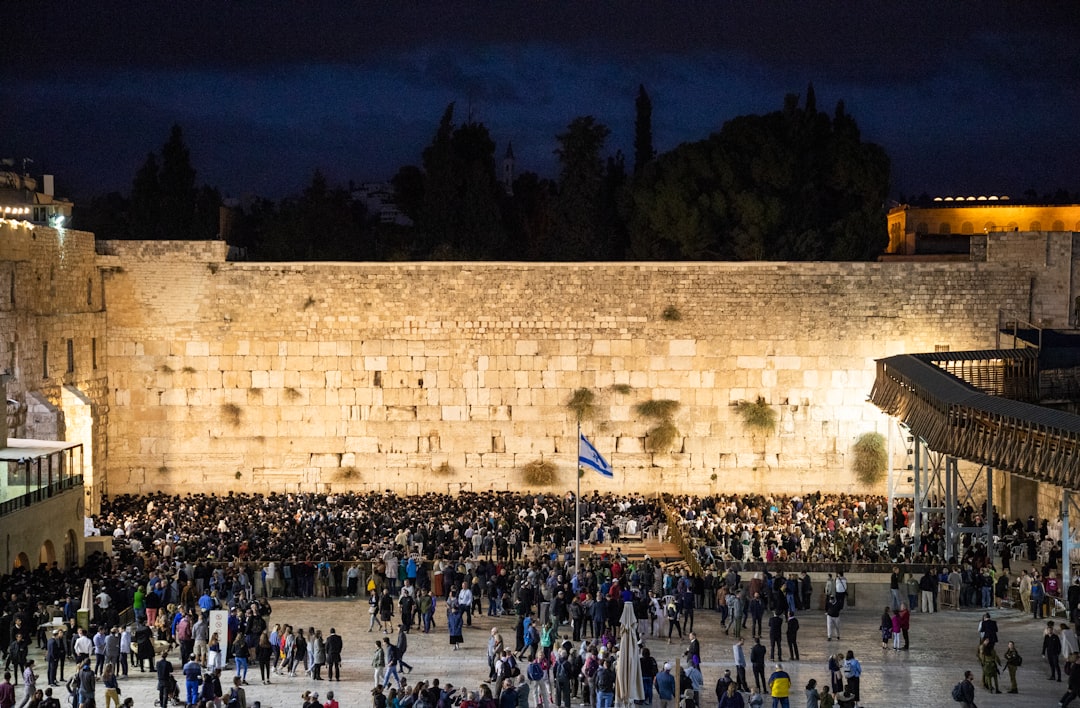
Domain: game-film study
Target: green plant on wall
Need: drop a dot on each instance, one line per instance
(664, 434)
(539, 473)
(671, 314)
(583, 404)
(870, 460)
(758, 416)
(443, 470)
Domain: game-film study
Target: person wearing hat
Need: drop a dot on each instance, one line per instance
(54, 657)
(665, 686)
(688, 699)
(780, 687)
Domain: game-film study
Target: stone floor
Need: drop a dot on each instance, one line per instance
(942, 647)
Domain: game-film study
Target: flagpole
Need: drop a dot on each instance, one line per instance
(577, 509)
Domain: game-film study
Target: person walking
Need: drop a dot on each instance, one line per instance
(853, 673)
(1051, 649)
(1073, 689)
(1013, 660)
(966, 691)
(832, 618)
(29, 683)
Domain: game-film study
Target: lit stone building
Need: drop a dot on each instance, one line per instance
(165, 366)
(944, 224)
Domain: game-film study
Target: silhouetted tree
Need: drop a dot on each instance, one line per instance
(643, 142)
(581, 182)
(788, 185)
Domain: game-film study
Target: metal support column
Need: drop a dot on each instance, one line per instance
(917, 536)
(990, 514)
(1066, 541)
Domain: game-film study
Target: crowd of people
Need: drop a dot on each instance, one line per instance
(430, 564)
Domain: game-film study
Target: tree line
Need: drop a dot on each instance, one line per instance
(793, 184)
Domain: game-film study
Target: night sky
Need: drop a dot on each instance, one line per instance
(966, 98)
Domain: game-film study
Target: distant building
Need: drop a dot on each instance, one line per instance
(20, 199)
(378, 199)
(943, 226)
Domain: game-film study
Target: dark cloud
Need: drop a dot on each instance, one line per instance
(957, 92)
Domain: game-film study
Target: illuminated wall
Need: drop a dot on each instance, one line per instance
(259, 376)
(907, 222)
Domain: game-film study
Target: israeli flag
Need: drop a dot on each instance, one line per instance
(589, 457)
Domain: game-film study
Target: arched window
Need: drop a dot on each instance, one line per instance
(989, 226)
(967, 228)
(1035, 226)
(1058, 226)
(944, 228)
(921, 228)
(1012, 226)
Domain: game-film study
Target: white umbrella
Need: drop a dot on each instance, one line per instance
(88, 599)
(628, 686)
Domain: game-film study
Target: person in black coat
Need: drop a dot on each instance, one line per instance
(776, 633)
(333, 655)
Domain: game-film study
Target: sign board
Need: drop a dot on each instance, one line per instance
(219, 623)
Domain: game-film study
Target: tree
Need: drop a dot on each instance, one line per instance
(460, 214)
(643, 142)
(577, 209)
(788, 185)
(146, 201)
(177, 184)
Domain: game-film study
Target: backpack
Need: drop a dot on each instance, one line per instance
(535, 673)
(591, 665)
(562, 671)
(1018, 660)
(958, 692)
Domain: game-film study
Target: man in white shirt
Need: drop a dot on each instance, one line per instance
(84, 646)
(465, 600)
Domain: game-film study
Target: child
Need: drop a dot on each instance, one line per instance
(330, 702)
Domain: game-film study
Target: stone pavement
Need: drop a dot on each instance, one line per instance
(942, 646)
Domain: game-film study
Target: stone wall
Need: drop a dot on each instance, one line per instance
(434, 376)
(52, 334)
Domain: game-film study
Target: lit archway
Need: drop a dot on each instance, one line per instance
(22, 561)
(47, 553)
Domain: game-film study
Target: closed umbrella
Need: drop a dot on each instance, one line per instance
(88, 599)
(628, 686)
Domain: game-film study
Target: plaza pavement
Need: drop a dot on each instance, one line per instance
(942, 646)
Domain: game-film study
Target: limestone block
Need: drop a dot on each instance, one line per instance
(768, 378)
(310, 380)
(629, 445)
(750, 362)
(682, 347)
(526, 347)
(522, 445)
(451, 413)
(375, 363)
(639, 379)
(332, 379)
(361, 444)
(197, 348)
(325, 460)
